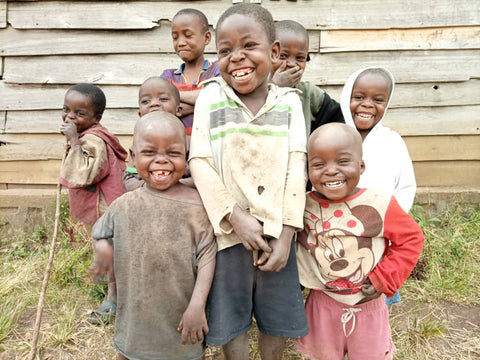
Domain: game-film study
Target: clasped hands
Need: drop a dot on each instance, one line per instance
(274, 252)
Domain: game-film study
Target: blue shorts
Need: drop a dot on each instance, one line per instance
(240, 289)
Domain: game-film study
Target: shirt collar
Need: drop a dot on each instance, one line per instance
(180, 70)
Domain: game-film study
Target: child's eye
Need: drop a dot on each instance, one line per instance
(147, 152)
(145, 101)
(224, 51)
(357, 97)
(301, 59)
(250, 44)
(283, 56)
(175, 153)
(164, 99)
(380, 100)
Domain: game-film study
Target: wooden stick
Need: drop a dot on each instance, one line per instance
(46, 276)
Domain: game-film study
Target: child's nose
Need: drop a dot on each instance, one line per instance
(160, 158)
(331, 169)
(154, 102)
(291, 62)
(237, 55)
(367, 102)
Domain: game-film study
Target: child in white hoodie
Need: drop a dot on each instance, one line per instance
(388, 166)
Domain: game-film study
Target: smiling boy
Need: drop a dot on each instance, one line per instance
(160, 243)
(357, 244)
(247, 159)
(318, 107)
(92, 170)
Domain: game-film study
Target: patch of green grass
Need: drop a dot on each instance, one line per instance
(452, 255)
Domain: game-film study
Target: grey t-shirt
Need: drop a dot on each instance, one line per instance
(159, 245)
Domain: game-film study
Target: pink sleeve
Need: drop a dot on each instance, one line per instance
(406, 244)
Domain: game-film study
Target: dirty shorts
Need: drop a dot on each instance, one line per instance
(362, 331)
(240, 289)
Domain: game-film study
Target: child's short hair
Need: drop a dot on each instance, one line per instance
(255, 11)
(94, 93)
(292, 26)
(382, 72)
(194, 12)
(172, 87)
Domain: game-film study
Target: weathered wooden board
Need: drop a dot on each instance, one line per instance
(441, 38)
(3, 13)
(15, 42)
(3, 120)
(28, 97)
(313, 14)
(39, 147)
(447, 173)
(331, 68)
(408, 66)
(102, 69)
(460, 120)
(421, 148)
(30, 172)
(431, 148)
(13, 97)
(118, 121)
(437, 173)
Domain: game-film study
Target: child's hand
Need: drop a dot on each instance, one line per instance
(287, 76)
(69, 129)
(369, 291)
(278, 258)
(193, 325)
(248, 229)
(102, 263)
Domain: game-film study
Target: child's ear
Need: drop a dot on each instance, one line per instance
(98, 117)
(179, 111)
(132, 158)
(207, 37)
(275, 54)
(362, 167)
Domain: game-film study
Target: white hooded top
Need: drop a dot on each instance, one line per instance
(388, 165)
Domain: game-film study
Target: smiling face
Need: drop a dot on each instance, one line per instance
(335, 161)
(159, 152)
(158, 94)
(369, 101)
(245, 55)
(78, 108)
(189, 37)
(293, 49)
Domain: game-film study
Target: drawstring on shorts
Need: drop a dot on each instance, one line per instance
(346, 317)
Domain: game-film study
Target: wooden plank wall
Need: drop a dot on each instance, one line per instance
(432, 48)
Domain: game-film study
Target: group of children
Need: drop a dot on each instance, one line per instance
(192, 251)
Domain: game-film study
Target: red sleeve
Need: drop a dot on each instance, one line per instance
(406, 244)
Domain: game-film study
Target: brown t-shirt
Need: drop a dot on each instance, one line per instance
(159, 245)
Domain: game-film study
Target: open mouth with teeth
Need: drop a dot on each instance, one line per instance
(364, 116)
(242, 74)
(334, 184)
(161, 173)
